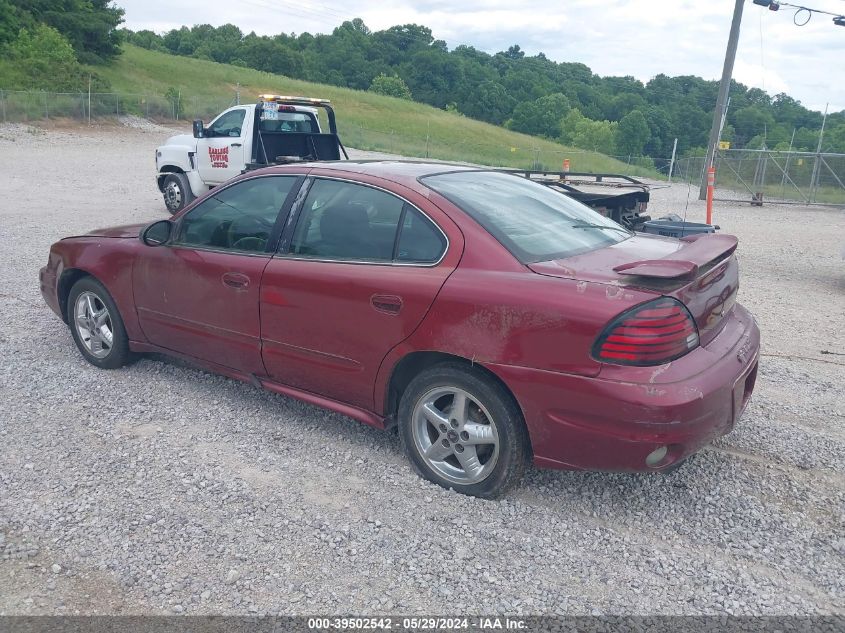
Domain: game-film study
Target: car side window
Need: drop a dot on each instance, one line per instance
(347, 221)
(419, 240)
(229, 124)
(237, 218)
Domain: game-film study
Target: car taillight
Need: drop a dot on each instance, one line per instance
(650, 334)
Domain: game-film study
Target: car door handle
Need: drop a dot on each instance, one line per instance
(235, 280)
(388, 304)
(235, 145)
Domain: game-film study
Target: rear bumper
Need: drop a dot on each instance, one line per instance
(616, 420)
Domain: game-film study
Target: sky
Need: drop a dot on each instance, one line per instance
(641, 38)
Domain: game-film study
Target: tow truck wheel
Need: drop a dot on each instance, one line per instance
(177, 192)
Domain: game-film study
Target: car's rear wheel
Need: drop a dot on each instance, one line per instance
(177, 192)
(462, 430)
(96, 325)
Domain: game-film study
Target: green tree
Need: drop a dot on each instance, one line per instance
(752, 121)
(222, 44)
(514, 52)
(91, 26)
(595, 135)
(585, 133)
(660, 139)
(433, 76)
(624, 103)
(834, 139)
(13, 18)
(489, 102)
(541, 117)
(391, 86)
(569, 124)
(42, 59)
(264, 53)
(632, 134)
(174, 98)
(145, 39)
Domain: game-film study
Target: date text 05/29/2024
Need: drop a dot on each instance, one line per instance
(417, 624)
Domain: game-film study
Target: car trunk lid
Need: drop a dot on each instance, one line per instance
(701, 271)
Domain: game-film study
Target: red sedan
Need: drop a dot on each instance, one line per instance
(493, 320)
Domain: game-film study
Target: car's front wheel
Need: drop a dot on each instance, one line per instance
(462, 430)
(96, 326)
(177, 192)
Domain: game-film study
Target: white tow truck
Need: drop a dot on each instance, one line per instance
(275, 130)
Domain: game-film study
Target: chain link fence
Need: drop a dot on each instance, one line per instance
(776, 176)
(21, 107)
(803, 177)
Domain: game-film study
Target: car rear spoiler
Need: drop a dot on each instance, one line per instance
(702, 249)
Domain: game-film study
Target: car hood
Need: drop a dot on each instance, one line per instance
(124, 231)
(181, 139)
(598, 265)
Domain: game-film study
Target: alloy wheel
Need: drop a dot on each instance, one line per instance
(93, 324)
(455, 435)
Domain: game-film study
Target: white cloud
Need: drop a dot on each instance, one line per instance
(636, 37)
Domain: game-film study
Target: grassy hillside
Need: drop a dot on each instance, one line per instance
(366, 120)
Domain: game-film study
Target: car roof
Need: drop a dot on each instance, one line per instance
(399, 170)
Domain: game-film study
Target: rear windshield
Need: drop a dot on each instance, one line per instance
(288, 122)
(531, 220)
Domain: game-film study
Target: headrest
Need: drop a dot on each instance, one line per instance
(344, 222)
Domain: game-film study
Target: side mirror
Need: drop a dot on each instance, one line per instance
(199, 130)
(157, 233)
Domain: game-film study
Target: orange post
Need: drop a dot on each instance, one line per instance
(711, 182)
(566, 164)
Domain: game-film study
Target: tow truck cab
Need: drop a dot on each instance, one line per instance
(275, 130)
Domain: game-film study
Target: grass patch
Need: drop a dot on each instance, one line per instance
(365, 120)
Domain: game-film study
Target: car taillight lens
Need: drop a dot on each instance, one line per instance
(650, 334)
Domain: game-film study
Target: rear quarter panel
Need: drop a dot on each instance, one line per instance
(523, 319)
(515, 319)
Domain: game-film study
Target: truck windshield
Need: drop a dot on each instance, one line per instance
(290, 122)
(532, 221)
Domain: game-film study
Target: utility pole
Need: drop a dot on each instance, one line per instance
(722, 100)
(672, 162)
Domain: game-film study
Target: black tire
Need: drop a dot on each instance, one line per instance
(504, 415)
(111, 356)
(177, 192)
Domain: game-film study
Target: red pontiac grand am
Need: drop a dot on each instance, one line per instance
(493, 320)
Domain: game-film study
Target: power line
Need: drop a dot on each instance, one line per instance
(802, 15)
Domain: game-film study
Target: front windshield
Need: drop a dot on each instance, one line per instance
(534, 222)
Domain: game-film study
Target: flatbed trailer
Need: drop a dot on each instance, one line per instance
(623, 199)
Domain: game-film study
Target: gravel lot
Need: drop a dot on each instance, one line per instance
(162, 489)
